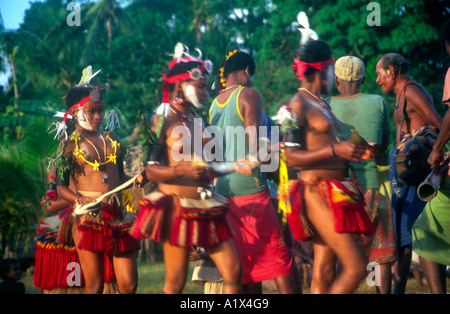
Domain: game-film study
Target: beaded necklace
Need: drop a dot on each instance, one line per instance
(79, 153)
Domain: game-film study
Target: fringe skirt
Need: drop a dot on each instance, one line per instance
(343, 197)
(53, 259)
(103, 231)
(183, 222)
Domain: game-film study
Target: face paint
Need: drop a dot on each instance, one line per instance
(83, 121)
(191, 95)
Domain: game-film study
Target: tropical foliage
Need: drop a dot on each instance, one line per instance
(130, 40)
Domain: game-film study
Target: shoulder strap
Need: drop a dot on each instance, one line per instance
(405, 114)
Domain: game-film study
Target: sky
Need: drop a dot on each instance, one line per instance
(13, 12)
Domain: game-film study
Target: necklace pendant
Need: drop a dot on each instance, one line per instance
(105, 177)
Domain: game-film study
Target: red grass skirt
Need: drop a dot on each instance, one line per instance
(345, 199)
(51, 269)
(105, 232)
(181, 221)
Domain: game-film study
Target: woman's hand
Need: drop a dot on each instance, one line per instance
(350, 151)
(191, 171)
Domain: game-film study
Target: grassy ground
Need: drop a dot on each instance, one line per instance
(151, 278)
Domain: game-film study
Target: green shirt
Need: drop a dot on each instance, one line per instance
(229, 119)
(368, 114)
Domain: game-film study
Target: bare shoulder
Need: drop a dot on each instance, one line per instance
(67, 147)
(415, 93)
(297, 104)
(250, 92)
(113, 136)
(250, 97)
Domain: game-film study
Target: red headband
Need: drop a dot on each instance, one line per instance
(78, 105)
(181, 77)
(300, 67)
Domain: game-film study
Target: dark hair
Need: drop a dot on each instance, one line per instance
(180, 68)
(75, 94)
(445, 32)
(398, 63)
(237, 62)
(311, 52)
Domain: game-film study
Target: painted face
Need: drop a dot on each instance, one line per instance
(90, 117)
(196, 91)
(385, 79)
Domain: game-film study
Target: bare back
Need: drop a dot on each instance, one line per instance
(419, 110)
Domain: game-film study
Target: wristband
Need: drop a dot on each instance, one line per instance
(332, 150)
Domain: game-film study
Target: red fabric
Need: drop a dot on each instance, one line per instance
(347, 203)
(179, 77)
(300, 67)
(258, 238)
(101, 237)
(50, 269)
(153, 222)
(294, 219)
(52, 258)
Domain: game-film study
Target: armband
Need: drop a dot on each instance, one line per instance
(293, 138)
(63, 179)
(154, 153)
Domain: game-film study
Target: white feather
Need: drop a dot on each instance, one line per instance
(61, 130)
(307, 33)
(200, 54)
(163, 109)
(87, 76)
(302, 19)
(179, 50)
(60, 114)
(112, 121)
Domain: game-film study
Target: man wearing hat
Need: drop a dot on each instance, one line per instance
(369, 116)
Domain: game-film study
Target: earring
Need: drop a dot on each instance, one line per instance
(179, 98)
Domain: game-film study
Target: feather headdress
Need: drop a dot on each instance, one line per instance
(181, 54)
(307, 33)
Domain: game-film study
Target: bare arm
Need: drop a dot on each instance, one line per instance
(161, 173)
(443, 138)
(305, 158)
(250, 106)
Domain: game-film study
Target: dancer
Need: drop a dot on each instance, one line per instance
(325, 206)
(183, 212)
(258, 237)
(52, 258)
(431, 240)
(368, 115)
(414, 115)
(95, 161)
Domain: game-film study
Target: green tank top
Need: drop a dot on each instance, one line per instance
(229, 119)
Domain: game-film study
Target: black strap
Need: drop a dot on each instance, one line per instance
(405, 114)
